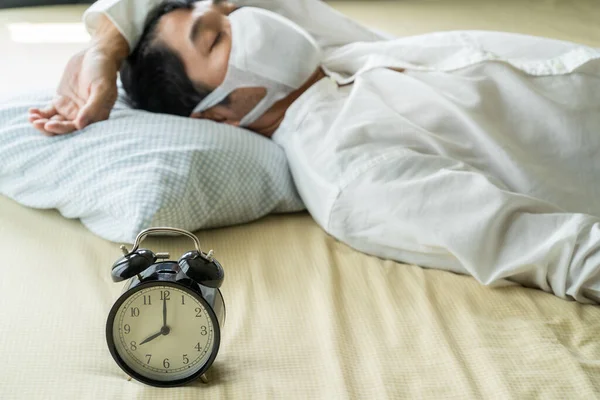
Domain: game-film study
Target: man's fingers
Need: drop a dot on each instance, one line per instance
(47, 112)
(60, 127)
(35, 114)
(57, 125)
(39, 121)
(34, 117)
(39, 125)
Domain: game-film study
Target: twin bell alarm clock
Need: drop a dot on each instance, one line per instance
(165, 328)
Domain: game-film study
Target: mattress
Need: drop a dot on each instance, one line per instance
(307, 317)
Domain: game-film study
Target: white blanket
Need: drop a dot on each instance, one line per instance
(481, 158)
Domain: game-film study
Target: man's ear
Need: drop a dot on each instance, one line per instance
(218, 114)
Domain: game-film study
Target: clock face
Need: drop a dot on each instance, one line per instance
(164, 333)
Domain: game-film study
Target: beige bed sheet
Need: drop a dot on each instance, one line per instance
(308, 317)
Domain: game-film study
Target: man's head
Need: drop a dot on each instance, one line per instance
(181, 57)
(186, 52)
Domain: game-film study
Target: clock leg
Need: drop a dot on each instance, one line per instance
(203, 378)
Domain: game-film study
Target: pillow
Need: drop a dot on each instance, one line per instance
(139, 169)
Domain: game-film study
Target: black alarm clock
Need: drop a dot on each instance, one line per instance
(165, 328)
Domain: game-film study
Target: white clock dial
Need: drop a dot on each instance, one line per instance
(159, 351)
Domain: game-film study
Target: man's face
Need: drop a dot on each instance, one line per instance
(202, 39)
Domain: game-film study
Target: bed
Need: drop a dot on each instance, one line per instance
(308, 317)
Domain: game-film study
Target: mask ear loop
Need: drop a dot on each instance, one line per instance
(263, 106)
(252, 114)
(223, 91)
(214, 98)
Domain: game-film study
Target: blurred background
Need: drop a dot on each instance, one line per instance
(31, 3)
(37, 42)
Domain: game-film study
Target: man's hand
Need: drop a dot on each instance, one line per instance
(88, 89)
(86, 94)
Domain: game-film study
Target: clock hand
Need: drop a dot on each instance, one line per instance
(165, 330)
(152, 337)
(165, 327)
(164, 313)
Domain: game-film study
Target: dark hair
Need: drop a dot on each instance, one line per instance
(154, 76)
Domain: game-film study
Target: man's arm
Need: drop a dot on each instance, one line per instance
(127, 16)
(88, 89)
(329, 28)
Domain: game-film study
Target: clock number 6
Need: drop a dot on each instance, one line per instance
(166, 363)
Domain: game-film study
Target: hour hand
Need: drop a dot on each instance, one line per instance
(151, 337)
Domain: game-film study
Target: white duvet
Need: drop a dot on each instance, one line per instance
(480, 158)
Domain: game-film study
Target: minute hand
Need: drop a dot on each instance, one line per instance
(164, 312)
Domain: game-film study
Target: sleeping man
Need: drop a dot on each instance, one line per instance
(471, 152)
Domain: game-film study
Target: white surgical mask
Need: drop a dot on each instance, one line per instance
(269, 51)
